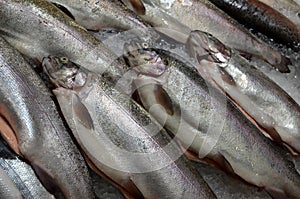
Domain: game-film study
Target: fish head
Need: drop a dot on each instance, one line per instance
(144, 60)
(64, 73)
(202, 45)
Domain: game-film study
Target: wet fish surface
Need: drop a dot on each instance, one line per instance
(262, 18)
(179, 17)
(96, 15)
(42, 139)
(288, 8)
(226, 187)
(272, 108)
(137, 154)
(208, 124)
(24, 23)
(7, 188)
(22, 175)
(104, 189)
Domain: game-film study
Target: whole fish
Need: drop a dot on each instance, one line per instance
(207, 123)
(119, 136)
(183, 17)
(42, 139)
(23, 177)
(288, 8)
(96, 15)
(261, 17)
(25, 22)
(272, 108)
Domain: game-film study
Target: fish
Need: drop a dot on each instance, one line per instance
(289, 82)
(261, 17)
(24, 183)
(119, 136)
(24, 23)
(269, 105)
(206, 122)
(288, 8)
(104, 189)
(96, 15)
(42, 139)
(225, 186)
(7, 187)
(178, 18)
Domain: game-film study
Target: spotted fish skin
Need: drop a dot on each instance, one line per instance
(42, 139)
(269, 105)
(259, 16)
(178, 17)
(210, 125)
(142, 158)
(24, 23)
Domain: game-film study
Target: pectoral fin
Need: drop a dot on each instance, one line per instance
(163, 99)
(47, 180)
(81, 112)
(129, 190)
(9, 135)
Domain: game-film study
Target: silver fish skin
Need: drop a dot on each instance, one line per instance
(226, 187)
(22, 175)
(42, 139)
(289, 82)
(96, 15)
(7, 187)
(210, 125)
(24, 23)
(270, 106)
(185, 16)
(261, 17)
(104, 189)
(117, 134)
(288, 8)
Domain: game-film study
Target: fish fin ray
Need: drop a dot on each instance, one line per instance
(82, 112)
(47, 180)
(129, 190)
(163, 99)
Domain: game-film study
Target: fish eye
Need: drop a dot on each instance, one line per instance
(64, 59)
(145, 45)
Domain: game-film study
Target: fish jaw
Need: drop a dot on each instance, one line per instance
(245, 85)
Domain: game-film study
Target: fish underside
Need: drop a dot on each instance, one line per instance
(119, 136)
(24, 183)
(269, 105)
(207, 123)
(35, 130)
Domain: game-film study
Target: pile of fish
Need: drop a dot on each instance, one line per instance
(149, 99)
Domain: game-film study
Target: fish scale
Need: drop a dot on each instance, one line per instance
(42, 139)
(139, 155)
(221, 132)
